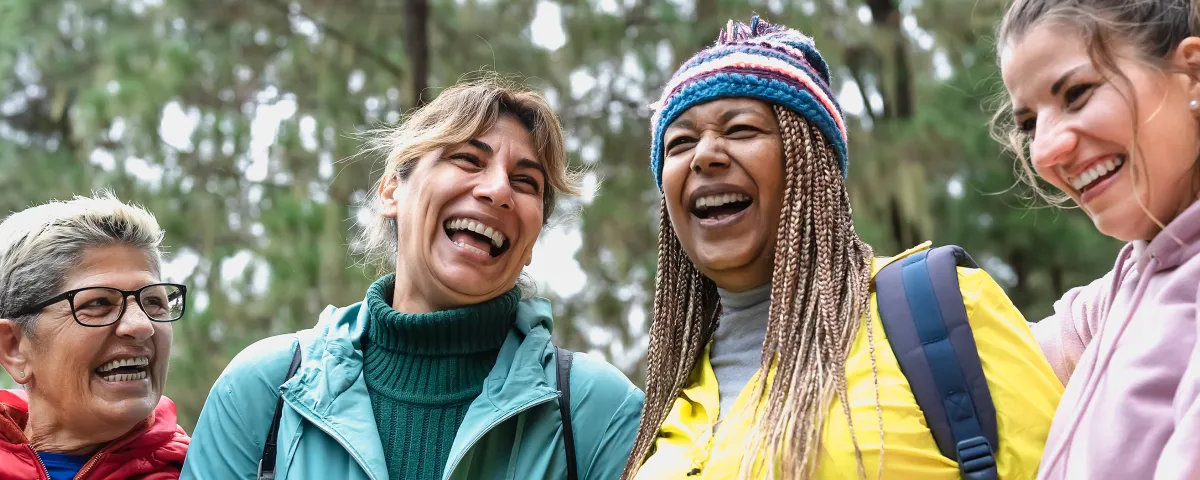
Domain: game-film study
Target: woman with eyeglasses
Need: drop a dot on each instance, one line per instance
(85, 329)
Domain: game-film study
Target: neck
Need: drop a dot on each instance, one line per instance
(48, 433)
(408, 297)
(741, 300)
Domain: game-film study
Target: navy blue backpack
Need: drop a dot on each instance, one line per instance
(926, 323)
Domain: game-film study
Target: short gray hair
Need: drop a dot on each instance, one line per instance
(40, 245)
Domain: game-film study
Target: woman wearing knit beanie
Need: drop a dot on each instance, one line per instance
(781, 347)
(445, 369)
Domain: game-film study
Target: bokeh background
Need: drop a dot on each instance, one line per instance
(237, 123)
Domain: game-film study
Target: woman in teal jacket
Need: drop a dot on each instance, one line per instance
(444, 370)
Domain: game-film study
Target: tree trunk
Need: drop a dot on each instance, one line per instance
(416, 40)
(884, 14)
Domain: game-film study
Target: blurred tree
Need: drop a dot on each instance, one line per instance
(235, 122)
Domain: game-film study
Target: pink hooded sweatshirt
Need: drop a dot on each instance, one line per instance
(1127, 343)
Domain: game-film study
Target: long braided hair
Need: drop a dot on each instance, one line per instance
(819, 292)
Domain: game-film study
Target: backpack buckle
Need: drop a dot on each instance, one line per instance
(975, 459)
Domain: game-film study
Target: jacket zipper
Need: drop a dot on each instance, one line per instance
(82, 471)
(88, 466)
(338, 438)
(45, 471)
(492, 425)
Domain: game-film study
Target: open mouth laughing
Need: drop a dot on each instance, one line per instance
(124, 369)
(474, 236)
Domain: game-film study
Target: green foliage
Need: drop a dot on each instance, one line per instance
(260, 219)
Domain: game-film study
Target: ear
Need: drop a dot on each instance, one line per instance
(1187, 59)
(388, 206)
(12, 358)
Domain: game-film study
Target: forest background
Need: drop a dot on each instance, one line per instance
(236, 122)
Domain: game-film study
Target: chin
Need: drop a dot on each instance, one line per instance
(470, 284)
(130, 411)
(1128, 227)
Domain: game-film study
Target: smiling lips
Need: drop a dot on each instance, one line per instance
(124, 369)
(476, 237)
(1094, 175)
(720, 206)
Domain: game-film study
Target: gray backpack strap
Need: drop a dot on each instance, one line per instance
(923, 316)
(266, 466)
(562, 368)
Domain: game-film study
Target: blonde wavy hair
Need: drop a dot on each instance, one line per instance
(462, 112)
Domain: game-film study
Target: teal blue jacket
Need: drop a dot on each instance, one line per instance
(513, 430)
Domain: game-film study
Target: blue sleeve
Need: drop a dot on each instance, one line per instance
(617, 442)
(606, 411)
(228, 440)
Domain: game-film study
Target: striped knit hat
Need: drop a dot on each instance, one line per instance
(772, 63)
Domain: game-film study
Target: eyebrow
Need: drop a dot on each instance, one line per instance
(1055, 88)
(1058, 84)
(522, 163)
(682, 124)
(730, 114)
(527, 163)
(725, 117)
(480, 145)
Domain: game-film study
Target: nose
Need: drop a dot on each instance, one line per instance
(1052, 143)
(134, 324)
(494, 187)
(710, 154)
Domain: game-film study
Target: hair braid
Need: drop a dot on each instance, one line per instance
(819, 294)
(685, 309)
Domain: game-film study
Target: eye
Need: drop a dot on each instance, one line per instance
(741, 131)
(530, 181)
(471, 160)
(680, 144)
(1026, 126)
(1075, 96)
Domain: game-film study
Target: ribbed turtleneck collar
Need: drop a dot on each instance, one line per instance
(433, 358)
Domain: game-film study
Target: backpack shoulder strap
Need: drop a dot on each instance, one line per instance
(923, 316)
(562, 369)
(266, 466)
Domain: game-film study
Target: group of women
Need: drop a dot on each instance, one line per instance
(775, 349)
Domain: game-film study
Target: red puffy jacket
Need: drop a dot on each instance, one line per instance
(153, 450)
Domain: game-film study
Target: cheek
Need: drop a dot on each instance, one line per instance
(164, 337)
(531, 221)
(64, 356)
(674, 175)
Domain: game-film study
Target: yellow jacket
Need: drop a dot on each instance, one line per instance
(1023, 388)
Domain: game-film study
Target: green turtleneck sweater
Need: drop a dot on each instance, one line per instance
(424, 370)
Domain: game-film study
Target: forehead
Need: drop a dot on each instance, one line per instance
(120, 266)
(1031, 63)
(509, 133)
(714, 110)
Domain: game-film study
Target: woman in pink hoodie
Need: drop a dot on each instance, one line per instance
(1105, 101)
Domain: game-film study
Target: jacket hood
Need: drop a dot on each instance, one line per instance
(1174, 245)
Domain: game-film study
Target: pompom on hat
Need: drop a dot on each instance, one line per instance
(772, 63)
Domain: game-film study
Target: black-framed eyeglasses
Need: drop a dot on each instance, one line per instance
(104, 306)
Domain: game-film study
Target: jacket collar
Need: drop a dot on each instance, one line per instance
(330, 391)
(159, 432)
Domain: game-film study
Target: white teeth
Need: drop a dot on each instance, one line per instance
(126, 377)
(471, 248)
(709, 201)
(471, 225)
(124, 362)
(1094, 173)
